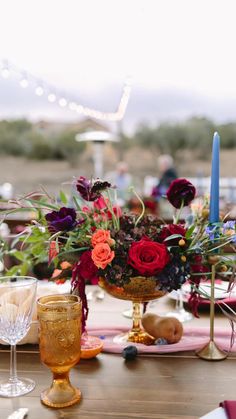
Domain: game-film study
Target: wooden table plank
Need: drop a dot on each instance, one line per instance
(144, 388)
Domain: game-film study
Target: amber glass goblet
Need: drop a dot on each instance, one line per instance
(59, 342)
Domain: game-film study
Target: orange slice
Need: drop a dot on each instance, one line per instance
(91, 346)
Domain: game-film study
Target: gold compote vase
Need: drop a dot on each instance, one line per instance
(138, 290)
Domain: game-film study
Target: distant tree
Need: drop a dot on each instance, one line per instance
(170, 138)
(145, 136)
(122, 145)
(14, 136)
(228, 135)
(21, 138)
(39, 147)
(65, 147)
(199, 133)
(195, 133)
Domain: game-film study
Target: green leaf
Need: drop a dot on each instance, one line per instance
(63, 197)
(73, 251)
(189, 232)
(14, 270)
(19, 255)
(76, 203)
(42, 204)
(25, 268)
(173, 236)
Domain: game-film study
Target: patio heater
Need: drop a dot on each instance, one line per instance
(98, 139)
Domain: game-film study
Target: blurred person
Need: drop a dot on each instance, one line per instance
(122, 179)
(167, 174)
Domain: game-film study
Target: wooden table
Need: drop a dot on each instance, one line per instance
(176, 386)
(162, 386)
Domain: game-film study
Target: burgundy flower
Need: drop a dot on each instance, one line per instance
(86, 268)
(169, 230)
(90, 190)
(148, 257)
(62, 220)
(197, 266)
(150, 205)
(180, 192)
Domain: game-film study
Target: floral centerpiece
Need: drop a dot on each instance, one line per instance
(137, 257)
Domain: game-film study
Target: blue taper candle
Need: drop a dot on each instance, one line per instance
(215, 180)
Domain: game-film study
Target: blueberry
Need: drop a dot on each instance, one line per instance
(130, 352)
(161, 341)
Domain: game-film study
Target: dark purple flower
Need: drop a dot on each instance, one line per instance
(90, 190)
(62, 220)
(180, 192)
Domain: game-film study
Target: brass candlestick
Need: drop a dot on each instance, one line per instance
(211, 352)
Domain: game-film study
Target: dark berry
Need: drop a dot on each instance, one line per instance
(130, 352)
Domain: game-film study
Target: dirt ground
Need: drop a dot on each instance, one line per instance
(26, 175)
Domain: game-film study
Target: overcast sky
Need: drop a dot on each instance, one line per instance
(180, 54)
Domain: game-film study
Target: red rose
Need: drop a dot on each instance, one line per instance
(180, 192)
(86, 268)
(169, 230)
(148, 257)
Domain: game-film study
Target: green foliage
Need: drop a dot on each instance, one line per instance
(14, 136)
(66, 148)
(28, 250)
(21, 138)
(196, 133)
(39, 147)
(228, 135)
(124, 144)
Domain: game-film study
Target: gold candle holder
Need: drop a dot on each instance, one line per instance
(211, 352)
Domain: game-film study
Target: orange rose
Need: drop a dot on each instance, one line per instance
(65, 265)
(101, 236)
(102, 255)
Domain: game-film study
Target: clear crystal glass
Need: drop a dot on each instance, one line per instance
(17, 299)
(179, 312)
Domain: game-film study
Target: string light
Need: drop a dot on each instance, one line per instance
(72, 106)
(24, 83)
(39, 91)
(54, 96)
(5, 72)
(62, 102)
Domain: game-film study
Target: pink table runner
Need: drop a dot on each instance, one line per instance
(193, 339)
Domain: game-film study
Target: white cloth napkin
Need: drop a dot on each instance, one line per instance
(43, 288)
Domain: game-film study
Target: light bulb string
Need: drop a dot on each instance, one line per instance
(62, 99)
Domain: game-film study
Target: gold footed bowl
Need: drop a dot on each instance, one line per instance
(139, 290)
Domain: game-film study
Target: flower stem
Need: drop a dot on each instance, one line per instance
(142, 205)
(176, 219)
(110, 207)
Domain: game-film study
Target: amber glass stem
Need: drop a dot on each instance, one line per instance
(61, 381)
(136, 318)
